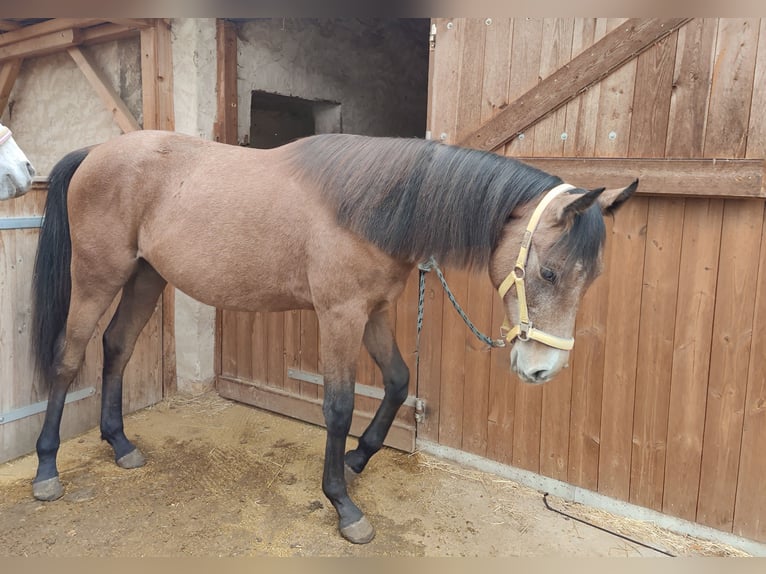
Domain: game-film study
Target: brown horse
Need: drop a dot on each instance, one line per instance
(333, 223)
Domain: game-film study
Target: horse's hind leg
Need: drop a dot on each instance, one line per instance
(84, 313)
(341, 338)
(139, 297)
(379, 341)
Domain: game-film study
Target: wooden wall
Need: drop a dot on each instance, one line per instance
(664, 403)
(18, 387)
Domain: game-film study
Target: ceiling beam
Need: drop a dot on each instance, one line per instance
(40, 45)
(46, 28)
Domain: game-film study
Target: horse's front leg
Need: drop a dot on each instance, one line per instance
(341, 340)
(379, 341)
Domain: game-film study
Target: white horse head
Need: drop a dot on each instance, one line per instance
(16, 172)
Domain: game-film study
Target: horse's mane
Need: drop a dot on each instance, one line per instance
(416, 198)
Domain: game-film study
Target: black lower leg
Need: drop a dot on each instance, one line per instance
(49, 440)
(396, 380)
(338, 409)
(111, 415)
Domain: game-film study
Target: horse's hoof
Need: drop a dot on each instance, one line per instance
(350, 474)
(133, 459)
(360, 532)
(48, 489)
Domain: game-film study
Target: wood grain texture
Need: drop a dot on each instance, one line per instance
(609, 54)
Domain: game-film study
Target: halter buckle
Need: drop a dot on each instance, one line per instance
(524, 329)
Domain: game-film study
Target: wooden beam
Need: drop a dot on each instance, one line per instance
(111, 99)
(8, 75)
(105, 33)
(709, 178)
(38, 46)
(157, 93)
(46, 28)
(135, 23)
(591, 66)
(226, 117)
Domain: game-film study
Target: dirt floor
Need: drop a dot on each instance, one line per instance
(225, 479)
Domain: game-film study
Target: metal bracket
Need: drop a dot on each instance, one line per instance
(36, 408)
(359, 389)
(20, 222)
(432, 38)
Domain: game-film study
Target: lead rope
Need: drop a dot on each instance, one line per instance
(424, 268)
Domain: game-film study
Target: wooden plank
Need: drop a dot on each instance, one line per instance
(442, 106)
(8, 74)
(588, 68)
(691, 85)
(226, 73)
(730, 355)
(292, 344)
(526, 49)
(164, 79)
(655, 351)
(750, 509)
(732, 84)
(109, 97)
(528, 399)
(587, 358)
(401, 436)
(648, 136)
(46, 28)
(698, 271)
(136, 23)
(259, 351)
(581, 112)
(735, 298)
(8, 25)
(705, 178)
(558, 35)
(624, 303)
(228, 343)
(39, 46)
(497, 68)
(275, 359)
(309, 351)
(471, 358)
(149, 73)
(105, 33)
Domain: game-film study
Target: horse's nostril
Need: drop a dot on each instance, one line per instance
(541, 375)
(31, 170)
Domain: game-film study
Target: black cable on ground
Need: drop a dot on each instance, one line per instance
(562, 513)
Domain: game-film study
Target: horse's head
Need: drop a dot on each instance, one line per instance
(548, 255)
(16, 172)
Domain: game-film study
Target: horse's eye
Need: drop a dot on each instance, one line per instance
(548, 274)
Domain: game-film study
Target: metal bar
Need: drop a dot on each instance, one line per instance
(359, 389)
(20, 222)
(36, 408)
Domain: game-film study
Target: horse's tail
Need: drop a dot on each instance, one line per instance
(52, 280)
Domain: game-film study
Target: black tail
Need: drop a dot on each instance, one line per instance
(52, 281)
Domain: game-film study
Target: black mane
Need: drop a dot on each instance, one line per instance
(416, 198)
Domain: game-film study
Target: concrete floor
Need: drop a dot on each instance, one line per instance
(225, 479)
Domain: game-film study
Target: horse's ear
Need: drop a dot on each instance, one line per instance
(611, 199)
(570, 204)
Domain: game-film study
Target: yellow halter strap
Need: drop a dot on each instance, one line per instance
(524, 331)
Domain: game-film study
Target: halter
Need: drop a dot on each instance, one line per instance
(524, 331)
(5, 134)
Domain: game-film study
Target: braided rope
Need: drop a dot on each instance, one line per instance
(424, 268)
